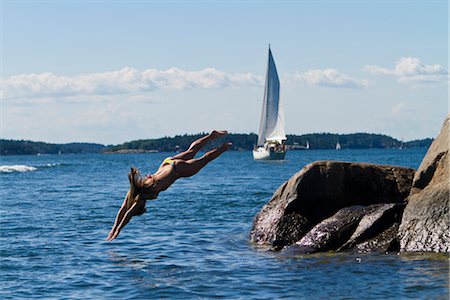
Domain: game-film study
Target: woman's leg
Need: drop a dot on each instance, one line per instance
(198, 144)
(187, 168)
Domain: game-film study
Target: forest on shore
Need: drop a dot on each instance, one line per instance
(241, 142)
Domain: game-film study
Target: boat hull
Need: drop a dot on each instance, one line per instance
(264, 154)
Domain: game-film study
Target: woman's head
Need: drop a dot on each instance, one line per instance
(146, 189)
(140, 212)
(140, 208)
(139, 192)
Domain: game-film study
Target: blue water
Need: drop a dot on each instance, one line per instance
(193, 241)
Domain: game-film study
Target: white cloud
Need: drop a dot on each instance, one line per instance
(126, 80)
(402, 111)
(412, 71)
(330, 78)
(132, 81)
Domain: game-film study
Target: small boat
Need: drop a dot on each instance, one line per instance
(271, 135)
(338, 146)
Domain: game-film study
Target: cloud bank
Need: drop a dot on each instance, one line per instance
(411, 70)
(131, 81)
(126, 80)
(330, 78)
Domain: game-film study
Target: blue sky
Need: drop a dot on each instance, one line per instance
(114, 71)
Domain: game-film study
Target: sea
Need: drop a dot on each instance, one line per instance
(193, 242)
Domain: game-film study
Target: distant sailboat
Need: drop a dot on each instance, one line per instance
(307, 145)
(338, 146)
(271, 135)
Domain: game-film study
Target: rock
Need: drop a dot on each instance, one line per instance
(384, 242)
(331, 233)
(320, 190)
(368, 228)
(377, 230)
(425, 224)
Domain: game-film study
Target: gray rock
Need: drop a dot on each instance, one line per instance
(377, 230)
(384, 242)
(425, 224)
(364, 228)
(331, 233)
(320, 190)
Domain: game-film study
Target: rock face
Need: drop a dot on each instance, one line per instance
(425, 224)
(321, 190)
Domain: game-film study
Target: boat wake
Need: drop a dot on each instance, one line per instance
(24, 168)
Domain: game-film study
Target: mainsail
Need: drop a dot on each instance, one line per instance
(271, 127)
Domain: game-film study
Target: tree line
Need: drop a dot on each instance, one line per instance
(18, 147)
(240, 142)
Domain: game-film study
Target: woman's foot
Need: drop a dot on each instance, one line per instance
(225, 147)
(218, 133)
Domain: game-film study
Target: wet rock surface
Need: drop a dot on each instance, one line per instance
(362, 228)
(332, 232)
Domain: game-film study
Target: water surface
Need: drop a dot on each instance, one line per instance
(193, 241)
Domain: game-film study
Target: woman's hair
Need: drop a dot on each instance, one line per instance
(141, 211)
(139, 190)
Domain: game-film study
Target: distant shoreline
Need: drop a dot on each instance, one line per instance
(130, 151)
(241, 142)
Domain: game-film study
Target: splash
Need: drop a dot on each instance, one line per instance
(17, 168)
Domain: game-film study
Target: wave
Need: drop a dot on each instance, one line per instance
(49, 165)
(24, 168)
(16, 168)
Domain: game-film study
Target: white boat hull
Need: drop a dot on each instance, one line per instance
(262, 153)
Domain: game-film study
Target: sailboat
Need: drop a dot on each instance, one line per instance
(271, 135)
(338, 146)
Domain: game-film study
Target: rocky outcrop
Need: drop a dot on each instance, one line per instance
(321, 190)
(425, 224)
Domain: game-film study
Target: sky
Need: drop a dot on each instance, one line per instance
(116, 71)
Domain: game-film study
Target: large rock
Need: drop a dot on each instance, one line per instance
(320, 190)
(425, 223)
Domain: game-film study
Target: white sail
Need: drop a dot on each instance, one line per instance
(271, 127)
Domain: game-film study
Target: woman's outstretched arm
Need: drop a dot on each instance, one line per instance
(126, 218)
(119, 217)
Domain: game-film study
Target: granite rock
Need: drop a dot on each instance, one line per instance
(425, 224)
